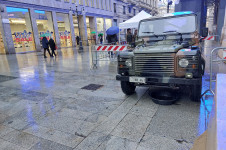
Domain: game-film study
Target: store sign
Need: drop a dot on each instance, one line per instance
(22, 36)
(65, 35)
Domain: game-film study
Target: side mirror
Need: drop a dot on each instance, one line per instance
(205, 32)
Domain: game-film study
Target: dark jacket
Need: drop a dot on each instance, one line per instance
(45, 43)
(52, 44)
(129, 37)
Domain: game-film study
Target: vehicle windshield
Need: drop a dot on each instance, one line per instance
(164, 26)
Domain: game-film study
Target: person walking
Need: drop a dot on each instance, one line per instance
(52, 45)
(45, 45)
(101, 39)
(77, 40)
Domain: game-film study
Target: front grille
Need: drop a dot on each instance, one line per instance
(154, 64)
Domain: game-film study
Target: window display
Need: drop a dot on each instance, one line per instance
(64, 29)
(21, 29)
(45, 24)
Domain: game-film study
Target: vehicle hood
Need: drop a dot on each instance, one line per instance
(158, 49)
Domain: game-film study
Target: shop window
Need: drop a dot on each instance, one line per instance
(22, 33)
(108, 23)
(44, 22)
(64, 29)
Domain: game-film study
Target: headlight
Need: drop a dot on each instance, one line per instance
(128, 63)
(183, 63)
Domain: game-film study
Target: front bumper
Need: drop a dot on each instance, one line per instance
(165, 80)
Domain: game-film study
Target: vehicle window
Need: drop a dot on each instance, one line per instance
(184, 24)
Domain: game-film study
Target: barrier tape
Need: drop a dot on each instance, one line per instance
(111, 48)
(209, 38)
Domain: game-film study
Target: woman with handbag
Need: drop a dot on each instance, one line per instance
(52, 46)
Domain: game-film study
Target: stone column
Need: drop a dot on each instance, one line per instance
(6, 33)
(105, 35)
(72, 28)
(83, 29)
(93, 26)
(35, 30)
(56, 29)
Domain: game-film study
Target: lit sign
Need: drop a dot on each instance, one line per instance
(182, 13)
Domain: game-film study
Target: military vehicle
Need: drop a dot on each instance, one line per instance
(169, 55)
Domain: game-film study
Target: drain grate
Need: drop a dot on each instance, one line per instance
(92, 87)
(6, 78)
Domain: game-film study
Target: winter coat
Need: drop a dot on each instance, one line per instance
(52, 44)
(45, 43)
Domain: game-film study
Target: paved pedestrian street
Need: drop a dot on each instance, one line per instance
(44, 106)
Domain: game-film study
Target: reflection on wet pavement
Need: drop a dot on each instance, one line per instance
(44, 107)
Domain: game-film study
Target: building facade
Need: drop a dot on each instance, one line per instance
(23, 23)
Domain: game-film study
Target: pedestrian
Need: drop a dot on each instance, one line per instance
(135, 38)
(77, 40)
(129, 36)
(45, 45)
(52, 45)
(101, 39)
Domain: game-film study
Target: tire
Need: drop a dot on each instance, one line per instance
(196, 93)
(127, 87)
(203, 65)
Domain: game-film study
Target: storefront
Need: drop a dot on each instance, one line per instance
(45, 24)
(21, 29)
(100, 27)
(64, 29)
(2, 47)
(108, 23)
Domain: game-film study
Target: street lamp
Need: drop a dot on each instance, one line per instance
(80, 41)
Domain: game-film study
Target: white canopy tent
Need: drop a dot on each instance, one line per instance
(134, 21)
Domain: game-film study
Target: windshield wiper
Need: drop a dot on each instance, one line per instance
(152, 33)
(170, 31)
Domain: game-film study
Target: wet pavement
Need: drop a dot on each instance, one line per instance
(44, 106)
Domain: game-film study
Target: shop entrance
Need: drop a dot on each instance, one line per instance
(64, 29)
(2, 47)
(21, 29)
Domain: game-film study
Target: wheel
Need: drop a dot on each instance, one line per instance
(196, 93)
(203, 65)
(127, 87)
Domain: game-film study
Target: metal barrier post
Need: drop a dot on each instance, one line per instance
(211, 69)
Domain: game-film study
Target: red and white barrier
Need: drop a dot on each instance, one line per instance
(209, 38)
(111, 48)
(224, 54)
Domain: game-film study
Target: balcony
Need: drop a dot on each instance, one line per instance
(132, 1)
(144, 5)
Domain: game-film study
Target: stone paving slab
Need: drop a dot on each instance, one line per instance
(117, 143)
(5, 145)
(22, 139)
(70, 140)
(132, 127)
(155, 142)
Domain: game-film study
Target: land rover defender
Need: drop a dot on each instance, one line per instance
(169, 54)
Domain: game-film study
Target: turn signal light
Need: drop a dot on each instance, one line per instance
(120, 66)
(193, 66)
